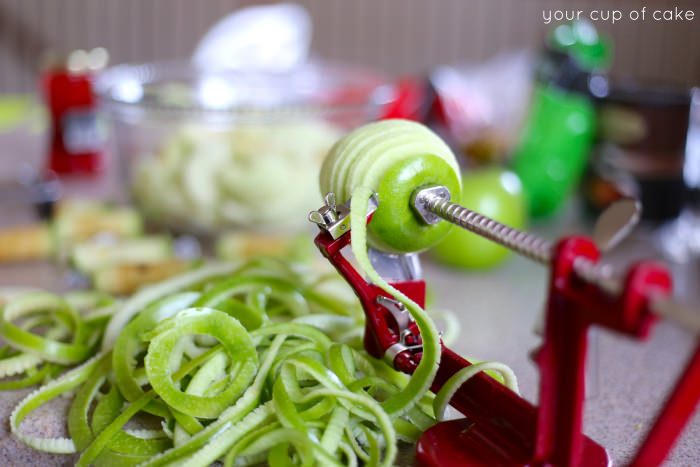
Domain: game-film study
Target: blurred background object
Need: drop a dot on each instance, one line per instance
(271, 37)
(234, 137)
(497, 194)
(680, 238)
(206, 150)
(481, 106)
(481, 58)
(553, 149)
(76, 143)
(395, 36)
(642, 134)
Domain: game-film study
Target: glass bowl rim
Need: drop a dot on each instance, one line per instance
(374, 88)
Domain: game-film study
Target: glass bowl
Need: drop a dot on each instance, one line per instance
(204, 152)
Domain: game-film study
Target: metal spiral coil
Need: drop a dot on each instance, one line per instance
(522, 242)
(435, 200)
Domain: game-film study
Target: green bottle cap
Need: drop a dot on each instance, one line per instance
(581, 40)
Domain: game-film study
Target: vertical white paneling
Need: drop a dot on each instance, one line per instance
(162, 30)
(321, 25)
(9, 37)
(383, 11)
(482, 24)
(431, 24)
(115, 14)
(398, 36)
(451, 31)
(178, 22)
(135, 29)
(412, 38)
(338, 32)
(6, 65)
(354, 28)
(33, 44)
(92, 33)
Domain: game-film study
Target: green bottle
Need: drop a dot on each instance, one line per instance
(554, 145)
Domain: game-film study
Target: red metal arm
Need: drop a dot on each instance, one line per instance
(502, 425)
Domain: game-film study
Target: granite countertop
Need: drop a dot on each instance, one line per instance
(628, 380)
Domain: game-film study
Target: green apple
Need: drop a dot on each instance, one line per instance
(495, 193)
(395, 227)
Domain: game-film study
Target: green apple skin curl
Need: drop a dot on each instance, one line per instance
(237, 362)
(241, 363)
(392, 158)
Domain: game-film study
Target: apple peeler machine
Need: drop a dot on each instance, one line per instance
(499, 427)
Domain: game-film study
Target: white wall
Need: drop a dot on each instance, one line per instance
(399, 36)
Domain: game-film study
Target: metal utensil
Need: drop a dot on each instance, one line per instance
(616, 223)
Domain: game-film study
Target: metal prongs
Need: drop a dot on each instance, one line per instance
(332, 217)
(420, 201)
(335, 218)
(407, 340)
(397, 310)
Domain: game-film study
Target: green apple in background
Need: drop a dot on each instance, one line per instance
(495, 193)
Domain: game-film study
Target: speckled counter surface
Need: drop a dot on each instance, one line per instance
(628, 380)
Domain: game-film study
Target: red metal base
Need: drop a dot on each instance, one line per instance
(461, 443)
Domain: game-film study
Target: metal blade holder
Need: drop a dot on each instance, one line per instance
(390, 334)
(582, 292)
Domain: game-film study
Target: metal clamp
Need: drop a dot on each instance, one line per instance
(403, 319)
(335, 218)
(398, 311)
(395, 349)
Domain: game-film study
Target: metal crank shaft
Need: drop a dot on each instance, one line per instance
(433, 204)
